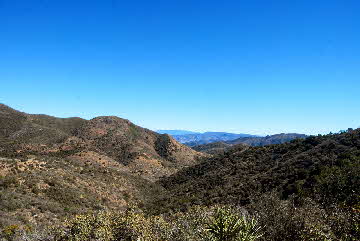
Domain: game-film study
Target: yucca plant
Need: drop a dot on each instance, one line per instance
(250, 229)
(225, 225)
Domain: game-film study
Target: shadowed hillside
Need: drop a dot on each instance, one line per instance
(307, 189)
(267, 140)
(212, 148)
(220, 147)
(238, 175)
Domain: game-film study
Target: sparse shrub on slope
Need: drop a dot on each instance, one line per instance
(284, 220)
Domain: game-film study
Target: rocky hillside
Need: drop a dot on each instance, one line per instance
(43, 189)
(144, 152)
(51, 167)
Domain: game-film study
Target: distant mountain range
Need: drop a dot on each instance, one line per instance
(219, 147)
(176, 132)
(194, 138)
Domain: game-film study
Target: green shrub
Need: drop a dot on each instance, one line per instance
(108, 226)
(8, 181)
(9, 232)
(198, 223)
(226, 225)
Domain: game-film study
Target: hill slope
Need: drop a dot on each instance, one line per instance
(212, 148)
(144, 152)
(54, 167)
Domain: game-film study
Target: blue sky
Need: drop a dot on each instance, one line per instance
(258, 67)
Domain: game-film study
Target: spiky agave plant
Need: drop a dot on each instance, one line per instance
(250, 229)
(225, 225)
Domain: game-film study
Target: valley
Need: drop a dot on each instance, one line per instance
(55, 169)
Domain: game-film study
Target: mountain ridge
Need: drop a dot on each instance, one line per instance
(110, 135)
(176, 132)
(52, 167)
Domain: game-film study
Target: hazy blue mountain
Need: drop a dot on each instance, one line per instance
(176, 132)
(208, 137)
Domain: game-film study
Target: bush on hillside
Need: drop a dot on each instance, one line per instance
(199, 223)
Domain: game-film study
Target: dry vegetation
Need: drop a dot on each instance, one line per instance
(107, 179)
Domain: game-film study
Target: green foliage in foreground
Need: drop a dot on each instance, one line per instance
(226, 225)
(220, 224)
(270, 218)
(199, 223)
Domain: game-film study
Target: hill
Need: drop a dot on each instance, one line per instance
(143, 151)
(238, 170)
(120, 181)
(212, 148)
(313, 181)
(54, 167)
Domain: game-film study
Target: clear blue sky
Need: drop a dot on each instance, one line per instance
(251, 66)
